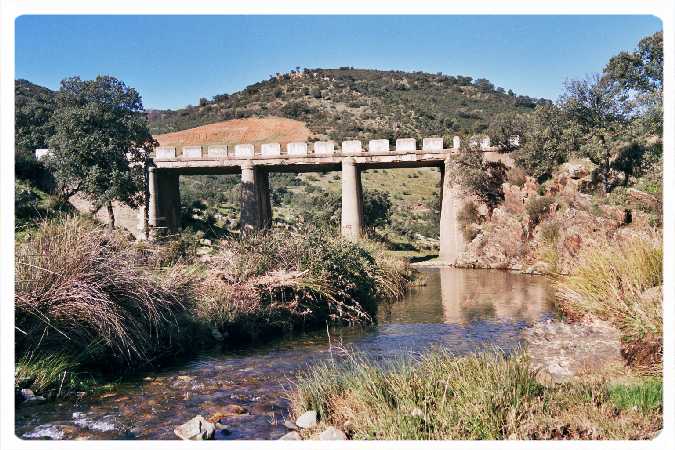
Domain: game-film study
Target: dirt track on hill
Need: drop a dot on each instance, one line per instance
(239, 131)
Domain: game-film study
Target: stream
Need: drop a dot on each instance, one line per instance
(460, 310)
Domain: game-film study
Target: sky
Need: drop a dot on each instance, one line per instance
(175, 60)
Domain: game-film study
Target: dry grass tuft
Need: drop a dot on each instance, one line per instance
(620, 282)
(78, 290)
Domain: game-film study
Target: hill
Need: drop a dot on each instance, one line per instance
(349, 103)
(251, 130)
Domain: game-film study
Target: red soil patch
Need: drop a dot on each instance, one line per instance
(239, 131)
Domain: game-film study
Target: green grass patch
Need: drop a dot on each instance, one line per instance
(645, 395)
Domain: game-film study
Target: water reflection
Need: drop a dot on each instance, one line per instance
(460, 310)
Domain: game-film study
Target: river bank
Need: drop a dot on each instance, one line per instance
(91, 304)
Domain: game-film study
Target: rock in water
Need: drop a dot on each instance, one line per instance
(306, 420)
(292, 436)
(332, 434)
(290, 425)
(195, 429)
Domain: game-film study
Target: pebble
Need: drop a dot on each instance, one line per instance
(332, 434)
(290, 425)
(306, 420)
(291, 436)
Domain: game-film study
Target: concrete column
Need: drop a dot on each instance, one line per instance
(452, 239)
(248, 216)
(352, 200)
(256, 205)
(167, 200)
(152, 197)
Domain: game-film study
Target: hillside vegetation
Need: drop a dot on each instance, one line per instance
(350, 103)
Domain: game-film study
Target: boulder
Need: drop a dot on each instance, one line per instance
(291, 425)
(195, 429)
(332, 434)
(291, 436)
(306, 420)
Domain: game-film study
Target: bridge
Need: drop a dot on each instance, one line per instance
(255, 165)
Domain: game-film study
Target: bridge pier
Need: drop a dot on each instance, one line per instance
(452, 239)
(352, 200)
(256, 205)
(163, 201)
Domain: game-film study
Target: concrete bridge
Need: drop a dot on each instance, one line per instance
(255, 165)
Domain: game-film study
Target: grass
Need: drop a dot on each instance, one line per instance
(282, 280)
(81, 294)
(611, 282)
(645, 395)
(482, 396)
(87, 299)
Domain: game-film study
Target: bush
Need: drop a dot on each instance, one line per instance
(280, 280)
(611, 282)
(517, 176)
(78, 292)
(538, 207)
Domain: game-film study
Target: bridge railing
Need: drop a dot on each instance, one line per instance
(302, 149)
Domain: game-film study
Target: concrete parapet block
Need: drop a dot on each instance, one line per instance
(193, 152)
(351, 147)
(456, 143)
(244, 151)
(165, 153)
(378, 145)
(406, 145)
(324, 148)
(271, 149)
(217, 151)
(42, 152)
(296, 149)
(485, 143)
(431, 144)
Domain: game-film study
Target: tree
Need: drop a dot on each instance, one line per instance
(595, 109)
(639, 77)
(100, 142)
(376, 208)
(504, 127)
(34, 106)
(482, 178)
(548, 141)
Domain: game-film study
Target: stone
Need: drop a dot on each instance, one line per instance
(378, 145)
(29, 396)
(291, 425)
(41, 153)
(217, 151)
(296, 148)
(324, 148)
(332, 434)
(406, 145)
(195, 429)
(351, 147)
(165, 153)
(417, 412)
(432, 144)
(306, 420)
(244, 151)
(291, 436)
(271, 149)
(194, 151)
(227, 411)
(456, 143)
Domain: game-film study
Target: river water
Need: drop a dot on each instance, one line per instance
(460, 310)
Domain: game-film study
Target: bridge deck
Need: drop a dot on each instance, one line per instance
(307, 163)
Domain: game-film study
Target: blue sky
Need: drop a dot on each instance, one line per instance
(175, 60)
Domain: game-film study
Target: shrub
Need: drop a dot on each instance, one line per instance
(538, 207)
(611, 282)
(78, 291)
(468, 217)
(280, 280)
(517, 176)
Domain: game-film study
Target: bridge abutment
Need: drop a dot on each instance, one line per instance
(452, 242)
(163, 202)
(256, 205)
(352, 200)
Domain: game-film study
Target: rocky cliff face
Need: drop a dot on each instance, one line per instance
(519, 236)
